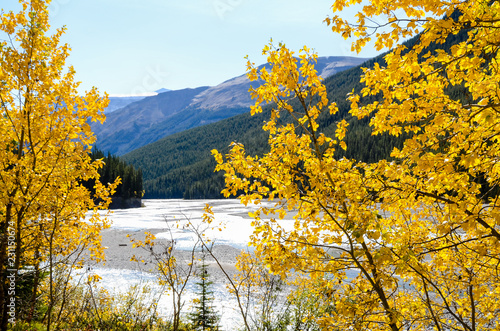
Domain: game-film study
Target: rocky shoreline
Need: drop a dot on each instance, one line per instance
(119, 251)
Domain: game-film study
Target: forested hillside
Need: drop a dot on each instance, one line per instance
(114, 167)
(181, 165)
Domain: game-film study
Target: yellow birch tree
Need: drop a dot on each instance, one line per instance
(410, 244)
(45, 141)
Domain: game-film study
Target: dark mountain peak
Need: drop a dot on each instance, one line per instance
(162, 90)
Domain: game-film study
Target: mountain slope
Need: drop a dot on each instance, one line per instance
(116, 103)
(181, 165)
(153, 118)
(233, 93)
(123, 129)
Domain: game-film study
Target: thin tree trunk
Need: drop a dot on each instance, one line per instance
(3, 266)
(51, 270)
(51, 287)
(36, 281)
(4, 302)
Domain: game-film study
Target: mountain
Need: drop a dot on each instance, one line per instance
(162, 90)
(122, 131)
(152, 118)
(234, 92)
(181, 165)
(116, 103)
(328, 66)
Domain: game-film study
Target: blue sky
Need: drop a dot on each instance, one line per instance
(128, 47)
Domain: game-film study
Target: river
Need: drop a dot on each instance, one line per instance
(231, 226)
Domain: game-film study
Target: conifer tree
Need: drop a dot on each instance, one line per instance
(114, 167)
(204, 317)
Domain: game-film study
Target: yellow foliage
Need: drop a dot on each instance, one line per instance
(412, 244)
(84, 305)
(45, 140)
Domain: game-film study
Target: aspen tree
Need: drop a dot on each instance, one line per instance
(45, 140)
(411, 244)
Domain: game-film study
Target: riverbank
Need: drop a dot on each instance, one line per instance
(119, 251)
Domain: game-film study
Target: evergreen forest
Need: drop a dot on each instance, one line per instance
(114, 167)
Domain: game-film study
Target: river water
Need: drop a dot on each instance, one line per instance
(231, 226)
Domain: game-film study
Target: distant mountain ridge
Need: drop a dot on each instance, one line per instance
(116, 103)
(150, 119)
(123, 129)
(234, 92)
